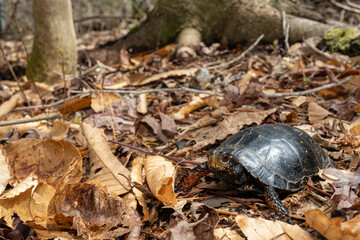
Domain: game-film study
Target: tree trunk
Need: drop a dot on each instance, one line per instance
(54, 44)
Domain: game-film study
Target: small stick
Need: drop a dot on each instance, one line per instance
(223, 65)
(34, 119)
(345, 7)
(319, 190)
(274, 95)
(175, 159)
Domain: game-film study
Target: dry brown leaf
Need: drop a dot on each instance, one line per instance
(333, 228)
(136, 176)
(4, 171)
(59, 130)
(102, 100)
(245, 80)
(28, 200)
(168, 124)
(160, 175)
(226, 234)
(48, 159)
(172, 73)
(355, 128)
(195, 104)
(98, 213)
(105, 167)
(298, 101)
(232, 125)
(142, 105)
(262, 229)
(73, 105)
(156, 128)
(317, 113)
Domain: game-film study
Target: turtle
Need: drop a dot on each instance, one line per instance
(270, 156)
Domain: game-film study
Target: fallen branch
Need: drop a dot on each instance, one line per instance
(34, 119)
(345, 7)
(327, 86)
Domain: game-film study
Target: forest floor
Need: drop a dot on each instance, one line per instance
(132, 128)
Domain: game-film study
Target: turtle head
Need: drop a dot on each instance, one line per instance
(226, 166)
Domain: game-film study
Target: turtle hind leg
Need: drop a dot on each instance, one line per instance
(275, 205)
(190, 179)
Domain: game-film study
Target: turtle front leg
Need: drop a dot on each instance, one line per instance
(190, 179)
(275, 205)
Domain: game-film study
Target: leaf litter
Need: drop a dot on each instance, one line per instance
(64, 178)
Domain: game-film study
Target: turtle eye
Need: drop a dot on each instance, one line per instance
(225, 158)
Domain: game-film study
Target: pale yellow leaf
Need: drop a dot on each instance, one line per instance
(142, 105)
(226, 234)
(105, 167)
(156, 77)
(160, 178)
(136, 176)
(8, 105)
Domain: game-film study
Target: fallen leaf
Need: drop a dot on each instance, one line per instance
(59, 130)
(195, 104)
(105, 167)
(8, 105)
(142, 105)
(4, 171)
(156, 128)
(333, 228)
(226, 234)
(168, 125)
(136, 176)
(160, 176)
(317, 113)
(259, 228)
(73, 105)
(98, 213)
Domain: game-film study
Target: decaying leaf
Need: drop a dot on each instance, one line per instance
(195, 104)
(98, 213)
(73, 105)
(28, 200)
(48, 159)
(136, 176)
(232, 125)
(156, 128)
(259, 228)
(226, 234)
(105, 167)
(160, 175)
(333, 228)
(317, 113)
(4, 171)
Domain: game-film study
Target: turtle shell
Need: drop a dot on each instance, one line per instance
(278, 155)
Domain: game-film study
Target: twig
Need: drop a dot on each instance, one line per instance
(31, 75)
(176, 159)
(345, 7)
(351, 4)
(319, 190)
(226, 64)
(273, 95)
(156, 90)
(286, 29)
(34, 119)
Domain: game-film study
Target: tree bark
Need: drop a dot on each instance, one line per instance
(54, 49)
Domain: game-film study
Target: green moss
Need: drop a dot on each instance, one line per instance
(133, 30)
(338, 39)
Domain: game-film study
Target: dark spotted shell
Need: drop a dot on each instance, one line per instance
(278, 155)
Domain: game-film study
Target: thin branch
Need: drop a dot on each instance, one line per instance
(226, 64)
(327, 86)
(156, 90)
(351, 4)
(345, 7)
(34, 119)
(319, 190)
